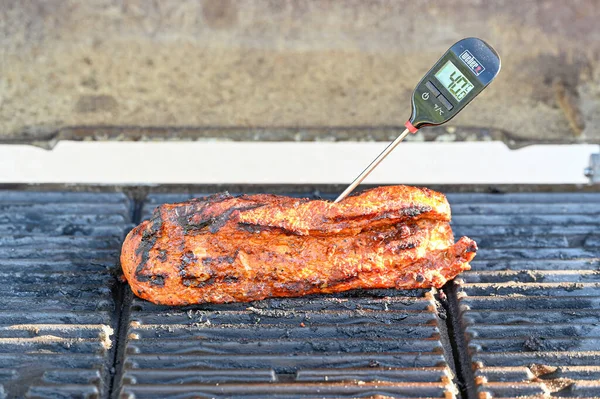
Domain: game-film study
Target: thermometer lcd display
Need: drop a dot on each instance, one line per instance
(454, 81)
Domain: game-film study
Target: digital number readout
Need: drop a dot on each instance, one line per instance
(454, 81)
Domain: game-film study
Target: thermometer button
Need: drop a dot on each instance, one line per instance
(432, 88)
(445, 101)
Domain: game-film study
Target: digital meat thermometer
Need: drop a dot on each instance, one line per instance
(461, 74)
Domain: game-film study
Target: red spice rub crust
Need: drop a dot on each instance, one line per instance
(237, 249)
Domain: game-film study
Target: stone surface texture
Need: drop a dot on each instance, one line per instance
(277, 64)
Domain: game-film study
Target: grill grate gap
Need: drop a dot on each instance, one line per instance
(286, 377)
(462, 363)
(123, 297)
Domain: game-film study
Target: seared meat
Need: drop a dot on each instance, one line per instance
(236, 249)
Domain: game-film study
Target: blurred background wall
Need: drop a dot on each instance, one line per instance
(213, 65)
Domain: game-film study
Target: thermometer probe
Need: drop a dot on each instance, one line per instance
(457, 78)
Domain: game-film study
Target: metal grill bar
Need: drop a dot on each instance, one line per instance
(58, 257)
(531, 304)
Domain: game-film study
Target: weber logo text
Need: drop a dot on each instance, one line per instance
(472, 62)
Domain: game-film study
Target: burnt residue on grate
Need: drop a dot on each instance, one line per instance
(356, 344)
(530, 307)
(58, 256)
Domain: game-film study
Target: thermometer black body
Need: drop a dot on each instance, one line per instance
(460, 75)
(456, 79)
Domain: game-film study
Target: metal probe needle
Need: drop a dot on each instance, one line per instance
(372, 166)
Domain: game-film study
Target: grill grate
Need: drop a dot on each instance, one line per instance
(531, 305)
(58, 254)
(388, 340)
(362, 344)
(524, 321)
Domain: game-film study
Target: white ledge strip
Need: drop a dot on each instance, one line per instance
(291, 162)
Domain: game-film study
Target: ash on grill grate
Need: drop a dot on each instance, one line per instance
(359, 344)
(531, 304)
(58, 255)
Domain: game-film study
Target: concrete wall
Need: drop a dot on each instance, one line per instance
(277, 64)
